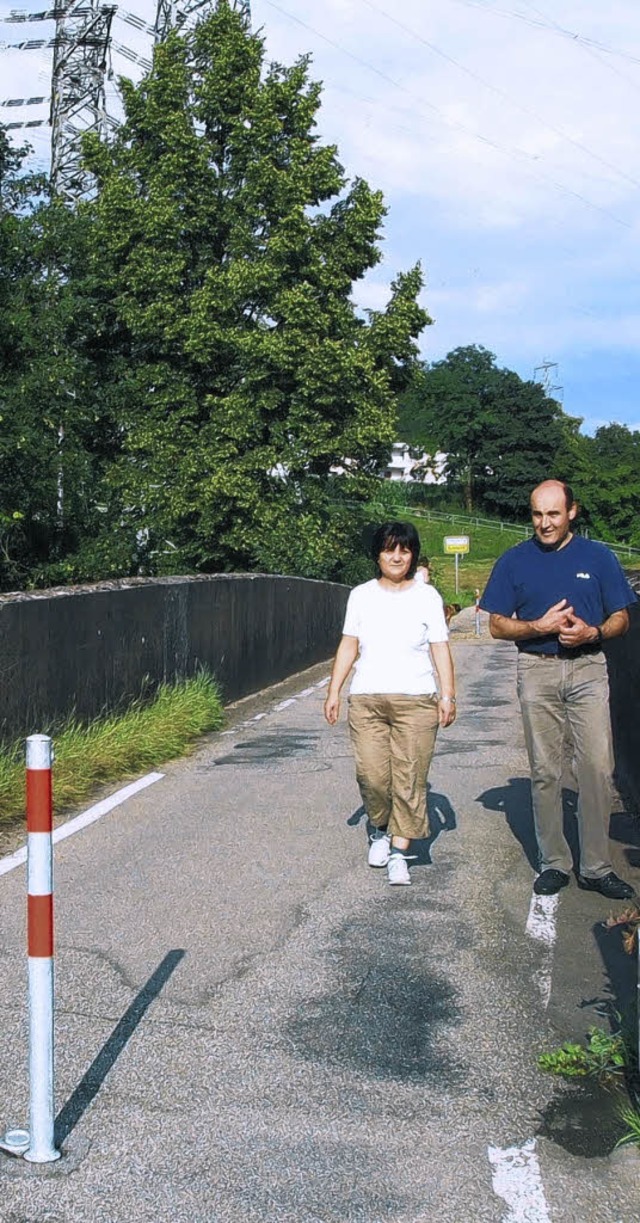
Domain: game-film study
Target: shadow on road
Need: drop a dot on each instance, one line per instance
(92, 1080)
(514, 802)
(625, 829)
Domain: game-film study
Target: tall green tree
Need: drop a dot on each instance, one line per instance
(50, 437)
(224, 246)
(500, 433)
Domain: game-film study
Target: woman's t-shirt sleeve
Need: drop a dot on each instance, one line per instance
(351, 627)
(437, 624)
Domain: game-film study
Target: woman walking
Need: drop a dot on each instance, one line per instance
(402, 692)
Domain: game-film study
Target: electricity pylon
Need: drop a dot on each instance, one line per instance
(80, 57)
(82, 45)
(554, 390)
(173, 14)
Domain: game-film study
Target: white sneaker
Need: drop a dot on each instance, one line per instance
(379, 847)
(397, 869)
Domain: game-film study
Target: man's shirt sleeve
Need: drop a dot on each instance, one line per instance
(616, 591)
(499, 596)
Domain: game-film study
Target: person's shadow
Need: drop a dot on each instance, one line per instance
(514, 802)
(442, 818)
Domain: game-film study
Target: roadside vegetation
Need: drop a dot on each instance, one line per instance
(611, 1058)
(115, 746)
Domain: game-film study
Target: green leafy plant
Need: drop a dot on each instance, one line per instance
(603, 1056)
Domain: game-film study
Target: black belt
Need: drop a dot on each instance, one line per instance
(585, 652)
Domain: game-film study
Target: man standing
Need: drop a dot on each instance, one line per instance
(558, 597)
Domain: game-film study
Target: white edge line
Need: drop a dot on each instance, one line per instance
(515, 1172)
(84, 819)
(10, 862)
(541, 922)
(541, 926)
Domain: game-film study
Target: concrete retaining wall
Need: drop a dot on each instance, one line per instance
(83, 650)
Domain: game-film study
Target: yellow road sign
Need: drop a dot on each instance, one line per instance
(456, 545)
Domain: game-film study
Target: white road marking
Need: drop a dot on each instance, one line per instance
(541, 926)
(515, 1172)
(277, 708)
(541, 922)
(99, 809)
(84, 819)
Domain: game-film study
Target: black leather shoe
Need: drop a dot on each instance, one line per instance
(608, 885)
(550, 882)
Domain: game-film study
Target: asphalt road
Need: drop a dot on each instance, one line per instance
(253, 1026)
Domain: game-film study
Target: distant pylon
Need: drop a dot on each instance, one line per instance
(80, 55)
(173, 14)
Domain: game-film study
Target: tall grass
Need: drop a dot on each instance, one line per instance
(116, 746)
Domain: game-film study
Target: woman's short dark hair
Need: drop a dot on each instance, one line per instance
(389, 535)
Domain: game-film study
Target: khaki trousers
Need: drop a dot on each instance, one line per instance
(554, 694)
(393, 737)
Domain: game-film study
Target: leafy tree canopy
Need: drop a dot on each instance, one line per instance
(499, 432)
(604, 471)
(222, 254)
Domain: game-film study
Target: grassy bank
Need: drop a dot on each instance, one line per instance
(117, 746)
(485, 545)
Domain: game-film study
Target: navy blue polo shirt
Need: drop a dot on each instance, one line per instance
(528, 579)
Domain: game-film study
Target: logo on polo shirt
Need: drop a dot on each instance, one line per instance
(583, 575)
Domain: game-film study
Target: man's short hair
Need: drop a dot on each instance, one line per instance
(389, 534)
(568, 493)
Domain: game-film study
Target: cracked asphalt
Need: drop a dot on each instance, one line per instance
(252, 1026)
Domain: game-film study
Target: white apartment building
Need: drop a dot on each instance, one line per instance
(425, 469)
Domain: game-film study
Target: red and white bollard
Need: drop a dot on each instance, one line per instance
(40, 949)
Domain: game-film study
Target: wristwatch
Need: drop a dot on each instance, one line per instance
(599, 639)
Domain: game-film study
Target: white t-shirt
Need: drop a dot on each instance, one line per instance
(394, 628)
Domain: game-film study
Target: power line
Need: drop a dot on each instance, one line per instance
(376, 8)
(583, 46)
(552, 27)
(516, 154)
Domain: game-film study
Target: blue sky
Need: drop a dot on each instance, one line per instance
(504, 135)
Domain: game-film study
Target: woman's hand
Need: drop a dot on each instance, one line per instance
(342, 664)
(441, 655)
(447, 710)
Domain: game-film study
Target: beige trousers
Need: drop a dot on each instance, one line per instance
(556, 694)
(393, 737)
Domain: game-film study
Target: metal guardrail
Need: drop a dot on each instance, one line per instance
(471, 520)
